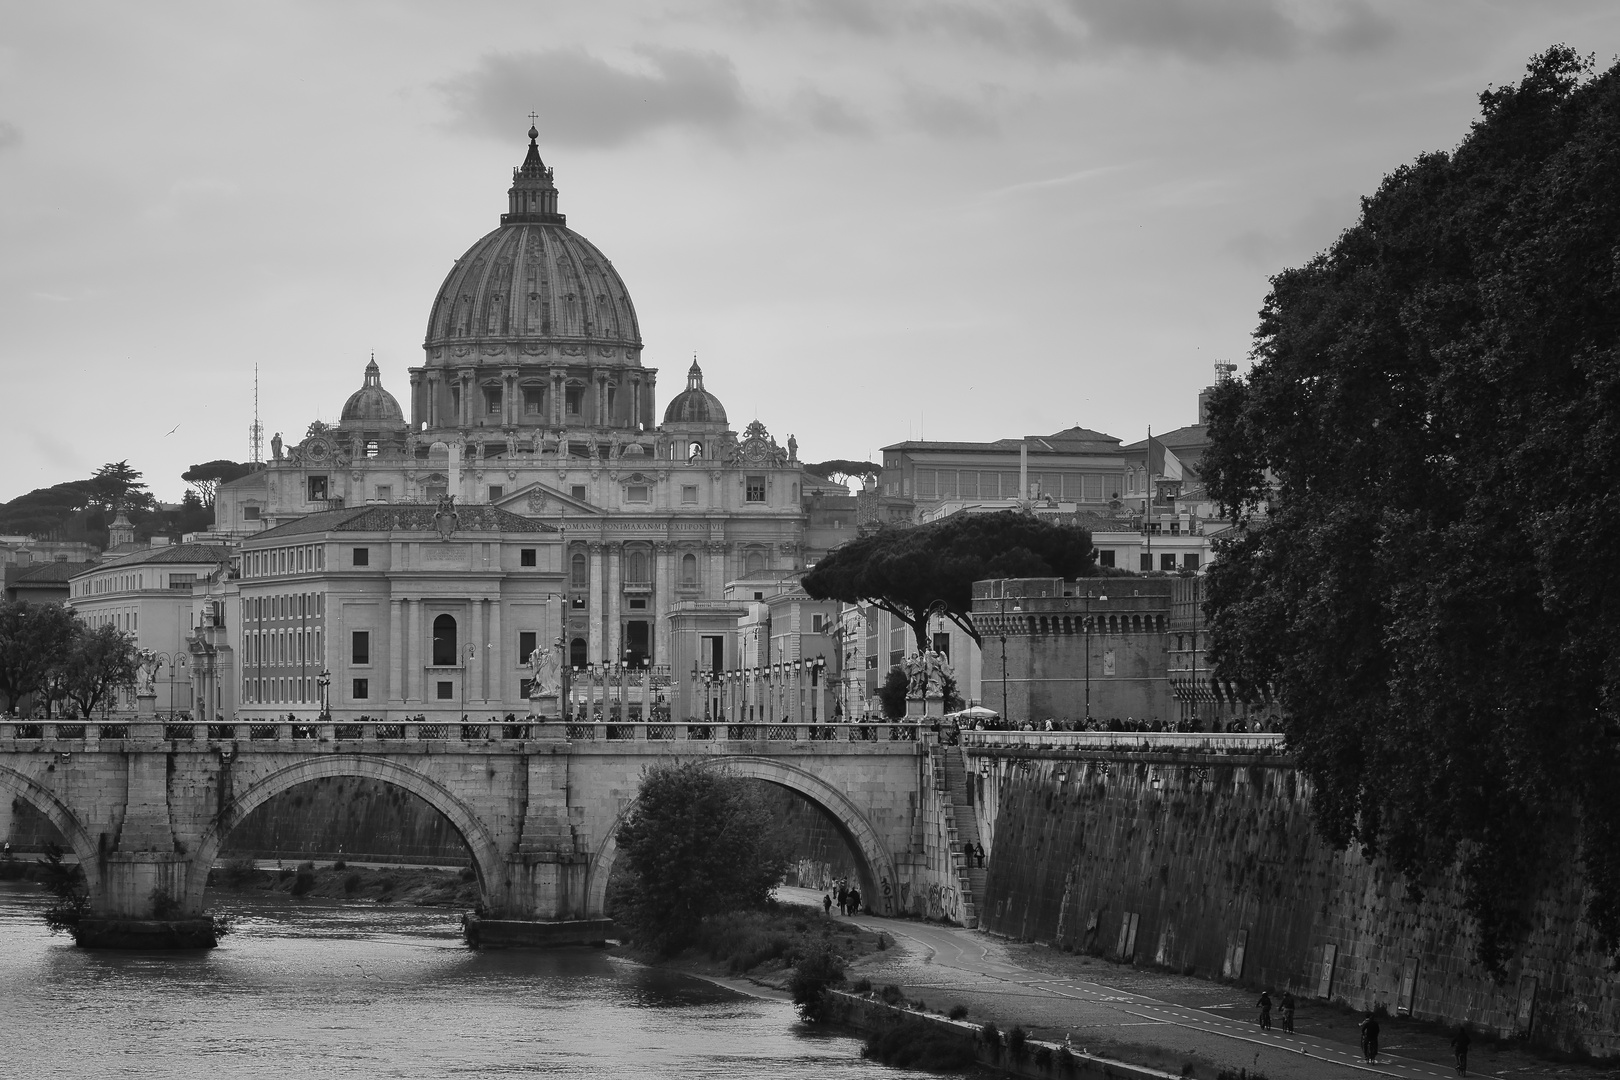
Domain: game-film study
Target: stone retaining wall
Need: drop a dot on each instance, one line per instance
(1209, 865)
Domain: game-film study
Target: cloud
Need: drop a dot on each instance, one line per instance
(1201, 30)
(585, 101)
(1217, 30)
(1297, 241)
(947, 115)
(10, 135)
(830, 115)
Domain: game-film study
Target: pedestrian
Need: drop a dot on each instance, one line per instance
(826, 904)
(1459, 1047)
(1369, 1037)
(1265, 1011)
(967, 851)
(978, 851)
(843, 899)
(1288, 1011)
(855, 901)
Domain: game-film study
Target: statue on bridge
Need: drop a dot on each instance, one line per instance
(147, 662)
(545, 668)
(925, 671)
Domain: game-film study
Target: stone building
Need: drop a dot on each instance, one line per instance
(533, 399)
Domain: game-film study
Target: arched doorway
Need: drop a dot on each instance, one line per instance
(444, 641)
(481, 846)
(875, 865)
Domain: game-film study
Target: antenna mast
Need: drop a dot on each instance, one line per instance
(256, 429)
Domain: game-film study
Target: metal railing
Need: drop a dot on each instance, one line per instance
(1207, 741)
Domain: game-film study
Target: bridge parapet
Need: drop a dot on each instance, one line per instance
(1128, 741)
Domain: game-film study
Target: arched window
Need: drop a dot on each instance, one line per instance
(444, 641)
(635, 568)
(689, 569)
(577, 656)
(755, 563)
(579, 574)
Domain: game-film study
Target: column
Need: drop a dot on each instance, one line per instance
(663, 602)
(431, 405)
(495, 678)
(595, 600)
(509, 406)
(613, 641)
(714, 587)
(396, 654)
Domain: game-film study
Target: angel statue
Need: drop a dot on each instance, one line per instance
(148, 663)
(923, 670)
(545, 669)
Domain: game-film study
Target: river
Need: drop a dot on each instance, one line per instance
(336, 989)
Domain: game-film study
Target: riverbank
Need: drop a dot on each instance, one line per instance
(414, 886)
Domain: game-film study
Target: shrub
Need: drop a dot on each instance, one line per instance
(340, 865)
(891, 995)
(990, 1034)
(863, 985)
(469, 873)
(1066, 1061)
(1043, 1056)
(303, 882)
(959, 1012)
(351, 884)
(238, 871)
(1016, 1038)
(817, 972)
(913, 1045)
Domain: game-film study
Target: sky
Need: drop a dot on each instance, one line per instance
(869, 221)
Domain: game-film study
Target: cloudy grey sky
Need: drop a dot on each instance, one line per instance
(869, 220)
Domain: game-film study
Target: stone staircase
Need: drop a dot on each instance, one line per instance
(961, 827)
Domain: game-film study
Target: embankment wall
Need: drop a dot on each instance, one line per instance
(1209, 865)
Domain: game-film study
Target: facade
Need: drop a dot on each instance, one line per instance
(147, 593)
(42, 583)
(922, 480)
(533, 399)
(391, 611)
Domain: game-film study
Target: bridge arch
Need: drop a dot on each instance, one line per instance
(874, 863)
(485, 854)
(67, 823)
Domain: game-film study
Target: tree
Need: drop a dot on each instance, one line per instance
(117, 484)
(892, 694)
(98, 662)
(1433, 417)
(698, 842)
(907, 571)
(843, 470)
(34, 640)
(207, 477)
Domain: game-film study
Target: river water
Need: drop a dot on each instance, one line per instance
(323, 988)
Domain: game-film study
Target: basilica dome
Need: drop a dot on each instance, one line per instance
(533, 288)
(371, 406)
(695, 405)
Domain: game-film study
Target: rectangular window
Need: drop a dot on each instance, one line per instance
(927, 483)
(360, 647)
(818, 623)
(756, 489)
(362, 689)
(574, 399)
(446, 690)
(362, 556)
(689, 494)
(526, 642)
(317, 488)
(385, 493)
(496, 492)
(577, 601)
(637, 493)
(1147, 561)
(1167, 562)
(250, 513)
(181, 581)
(638, 603)
(455, 401)
(533, 399)
(1105, 558)
(577, 491)
(526, 557)
(492, 401)
(1190, 560)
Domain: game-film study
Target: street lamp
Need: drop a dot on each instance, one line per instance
(1103, 597)
(324, 680)
(175, 660)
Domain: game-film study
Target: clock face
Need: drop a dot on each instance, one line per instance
(317, 449)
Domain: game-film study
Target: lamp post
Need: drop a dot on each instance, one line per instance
(175, 660)
(1004, 652)
(324, 680)
(1103, 597)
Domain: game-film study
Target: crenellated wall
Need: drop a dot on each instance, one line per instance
(1207, 863)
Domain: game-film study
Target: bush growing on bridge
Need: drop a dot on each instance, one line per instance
(816, 974)
(67, 884)
(698, 842)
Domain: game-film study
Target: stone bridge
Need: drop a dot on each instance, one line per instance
(146, 805)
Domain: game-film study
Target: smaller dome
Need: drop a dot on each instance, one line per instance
(371, 405)
(695, 405)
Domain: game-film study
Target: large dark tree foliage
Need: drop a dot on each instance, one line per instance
(34, 641)
(843, 470)
(1434, 418)
(906, 571)
(98, 661)
(698, 842)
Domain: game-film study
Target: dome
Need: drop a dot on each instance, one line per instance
(371, 405)
(532, 288)
(695, 405)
